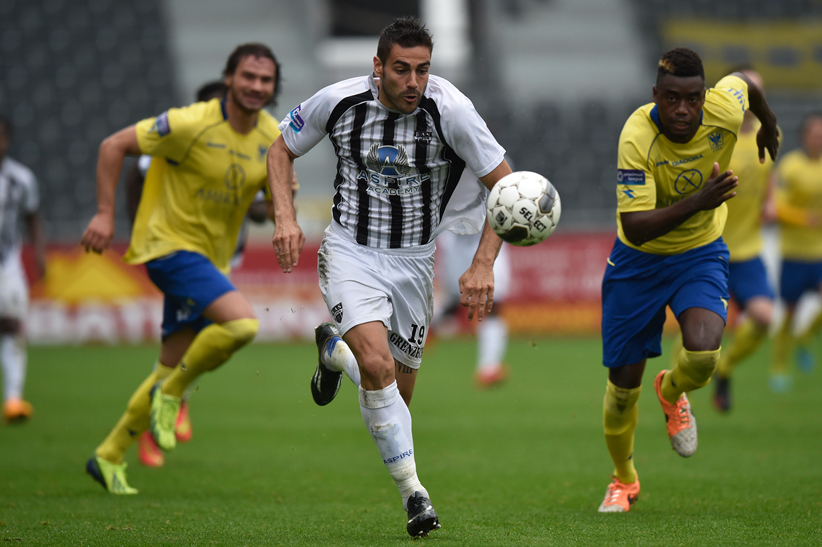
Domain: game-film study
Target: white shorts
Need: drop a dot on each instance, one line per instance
(457, 253)
(14, 290)
(395, 286)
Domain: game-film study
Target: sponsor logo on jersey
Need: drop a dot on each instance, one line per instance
(388, 170)
(234, 176)
(388, 160)
(717, 140)
(262, 151)
(296, 123)
(661, 163)
(215, 145)
(337, 312)
(423, 138)
(161, 126)
(629, 193)
(631, 176)
(686, 160)
(405, 346)
(688, 181)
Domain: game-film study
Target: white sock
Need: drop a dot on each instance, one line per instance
(338, 356)
(389, 422)
(13, 356)
(492, 341)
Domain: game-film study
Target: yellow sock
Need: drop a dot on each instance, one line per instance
(805, 338)
(676, 349)
(749, 334)
(693, 371)
(134, 421)
(619, 418)
(782, 347)
(211, 348)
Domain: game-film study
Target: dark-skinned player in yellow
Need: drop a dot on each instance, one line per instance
(672, 184)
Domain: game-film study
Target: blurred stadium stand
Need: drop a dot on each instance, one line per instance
(555, 79)
(71, 73)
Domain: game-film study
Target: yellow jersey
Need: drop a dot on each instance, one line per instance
(200, 184)
(799, 195)
(653, 172)
(743, 229)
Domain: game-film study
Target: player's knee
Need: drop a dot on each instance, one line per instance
(700, 365)
(242, 331)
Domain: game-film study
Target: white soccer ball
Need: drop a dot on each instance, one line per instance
(524, 208)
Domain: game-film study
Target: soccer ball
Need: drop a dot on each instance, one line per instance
(523, 208)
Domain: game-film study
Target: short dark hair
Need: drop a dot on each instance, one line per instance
(211, 90)
(680, 62)
(7, 126)
(254, 49)
(405, 32)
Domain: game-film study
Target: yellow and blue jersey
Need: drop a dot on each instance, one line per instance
(743, 229)
(653, 172)
(799, 196)
(196, 196)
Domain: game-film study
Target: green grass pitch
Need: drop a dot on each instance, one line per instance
(524, 464)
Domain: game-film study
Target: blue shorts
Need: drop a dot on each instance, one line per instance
(748, 279)
(798, 277)
(638, 286)
(190, 282)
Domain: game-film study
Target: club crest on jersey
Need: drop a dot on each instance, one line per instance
(337, 312)
(391, 161)
(716, 140)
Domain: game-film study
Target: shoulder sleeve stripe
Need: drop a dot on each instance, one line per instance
(344, 105)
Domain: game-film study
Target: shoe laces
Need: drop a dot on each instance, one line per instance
(682, 412)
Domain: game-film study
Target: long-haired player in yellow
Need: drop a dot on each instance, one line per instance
(672, 184)
(799, 209)
(209, 163)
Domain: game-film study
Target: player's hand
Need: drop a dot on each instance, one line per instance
(767, 139)
(477, 291)
(97, 236)
(718, 189)
(288, 243)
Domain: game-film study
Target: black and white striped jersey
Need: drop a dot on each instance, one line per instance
(395, 172)
(18, 195)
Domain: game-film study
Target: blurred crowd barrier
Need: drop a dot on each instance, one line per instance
(90, 298)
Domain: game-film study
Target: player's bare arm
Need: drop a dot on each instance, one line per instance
(643, 226)
(288, 237)
(113, 150)
(767, 138)
(477, 284)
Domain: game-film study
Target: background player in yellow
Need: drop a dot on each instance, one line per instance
(209, 164)
(748, 282)
(799, 210)
(672, 184)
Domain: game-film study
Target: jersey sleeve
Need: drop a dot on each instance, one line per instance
(636, 187)
(31, 200)
(170, 134)
(305, 125)
(467, 133)
(727, 102)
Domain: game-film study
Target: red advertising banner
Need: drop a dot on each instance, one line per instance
(98, 298)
